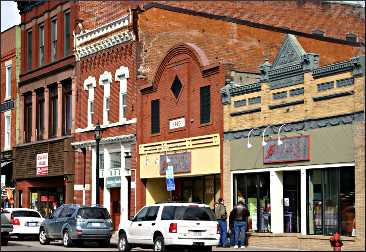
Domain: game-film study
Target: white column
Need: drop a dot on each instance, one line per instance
(94, 175)
(303, 201)
(276, 195)
(124, 187)
(106, 192)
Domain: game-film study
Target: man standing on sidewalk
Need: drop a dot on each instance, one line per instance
(221, 215)
(241, 214)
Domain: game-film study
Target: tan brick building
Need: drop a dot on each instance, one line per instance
(294, 149)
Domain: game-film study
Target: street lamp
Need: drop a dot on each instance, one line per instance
(98, 137)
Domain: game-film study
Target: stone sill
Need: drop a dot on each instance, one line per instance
(300, 236)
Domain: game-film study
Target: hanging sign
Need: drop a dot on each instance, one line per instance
(170, 185)
(42, 164)
(292, 149)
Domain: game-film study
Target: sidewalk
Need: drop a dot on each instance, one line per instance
(114, 241)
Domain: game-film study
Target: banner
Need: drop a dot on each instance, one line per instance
(42, 164)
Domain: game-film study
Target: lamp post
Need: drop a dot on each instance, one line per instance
(98, 136)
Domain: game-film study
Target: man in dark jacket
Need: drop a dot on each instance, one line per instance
(221, 216)
(240, 214)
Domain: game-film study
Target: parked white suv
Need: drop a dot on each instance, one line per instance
(167, 225)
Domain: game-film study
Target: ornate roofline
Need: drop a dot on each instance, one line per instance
(356, 64)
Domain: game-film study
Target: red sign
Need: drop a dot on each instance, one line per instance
(42, 164)
(44, 197)
(52, 198)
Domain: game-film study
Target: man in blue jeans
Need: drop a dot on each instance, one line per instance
(221, 216)
(241, 214)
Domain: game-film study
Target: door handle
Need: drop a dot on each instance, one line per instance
(139, 224)
(152, 224)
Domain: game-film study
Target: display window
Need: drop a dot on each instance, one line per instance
(331, 201)
(254, 188)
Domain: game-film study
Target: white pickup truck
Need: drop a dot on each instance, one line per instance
(6, 226)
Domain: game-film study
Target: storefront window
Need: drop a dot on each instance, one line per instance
(255, 189)
(331, 201)
(291, 201)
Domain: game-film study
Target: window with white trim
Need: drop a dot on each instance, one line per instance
(105, 80)
(7, 130)
(122, 74)
(8, 82)
(89, 85)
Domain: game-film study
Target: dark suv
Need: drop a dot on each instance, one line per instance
(75, 224)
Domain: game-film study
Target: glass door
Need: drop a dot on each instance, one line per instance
(291, 201)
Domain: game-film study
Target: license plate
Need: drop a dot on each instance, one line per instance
(96, 224)
(32, 224)
(196, 233)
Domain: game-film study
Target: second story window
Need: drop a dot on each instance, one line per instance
(53, 110)
(122, 74)
(40, 114)
(29, 50)
(105, 80)
(41, 44)
(66, 33)
(205, 104)
(7, 130)
(8, 82)
(66, 109)
(155, 116)
(89, 85)
(27, 117)
(53, 39)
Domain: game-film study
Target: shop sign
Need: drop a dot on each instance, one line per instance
(113, 181)
(42, 164)
(177, 123)
(292, 149)
(44, 198)
(181, 162)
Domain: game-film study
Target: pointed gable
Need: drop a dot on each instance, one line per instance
(291, 52)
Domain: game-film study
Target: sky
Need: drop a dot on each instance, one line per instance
(10, 14)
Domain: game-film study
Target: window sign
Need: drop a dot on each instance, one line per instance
(42, 164)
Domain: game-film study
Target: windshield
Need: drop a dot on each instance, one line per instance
(93, 213)
(187, 213)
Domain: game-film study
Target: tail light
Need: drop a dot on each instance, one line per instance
(173, 228)
(218, 229)
(16, 222)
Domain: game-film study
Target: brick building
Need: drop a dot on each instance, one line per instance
(106, 68)
(44, 159)
(294, 149)
(10, 64)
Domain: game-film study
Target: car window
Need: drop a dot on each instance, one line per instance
(20, 213)
(67, 212)
(141, 215)
(93, 213)
(34, 214)
(187, 213)
(57, 212)
(152, 213)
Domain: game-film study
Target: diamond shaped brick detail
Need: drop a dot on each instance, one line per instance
(176, 87)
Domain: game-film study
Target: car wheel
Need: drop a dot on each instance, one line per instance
(66, 239)
(123, 243)
(159, 244)
(43, 240)
(105, 243)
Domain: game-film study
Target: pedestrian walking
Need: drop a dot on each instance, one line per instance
(221, 215)
(240, 215)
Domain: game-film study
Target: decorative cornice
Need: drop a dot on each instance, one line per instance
(104, 29)
(298, 126)
(109, 140)
(106, 77)
(115, 39)
(356, 63)
(245, 89)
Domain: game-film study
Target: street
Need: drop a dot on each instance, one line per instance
(31, 245)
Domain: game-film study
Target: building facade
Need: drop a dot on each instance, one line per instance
(181, 128)
(10, 65)
(44, 163)
(106, 66)
(294, 150)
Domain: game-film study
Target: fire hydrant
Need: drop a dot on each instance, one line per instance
(336, 242)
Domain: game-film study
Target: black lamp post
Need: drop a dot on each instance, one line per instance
(98, 136)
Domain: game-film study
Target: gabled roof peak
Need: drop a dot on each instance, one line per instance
(291, 52)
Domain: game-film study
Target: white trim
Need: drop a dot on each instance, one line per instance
(290, 168)
(121, 75)
(8, 81)
(7, 142)
(90, 81)
(105, 78)
(81, 130)
(8, 63)
(303, 202)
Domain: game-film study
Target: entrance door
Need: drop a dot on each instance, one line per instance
(115, 206)
(291, 201)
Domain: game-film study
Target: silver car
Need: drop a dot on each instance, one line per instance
(75, 224)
